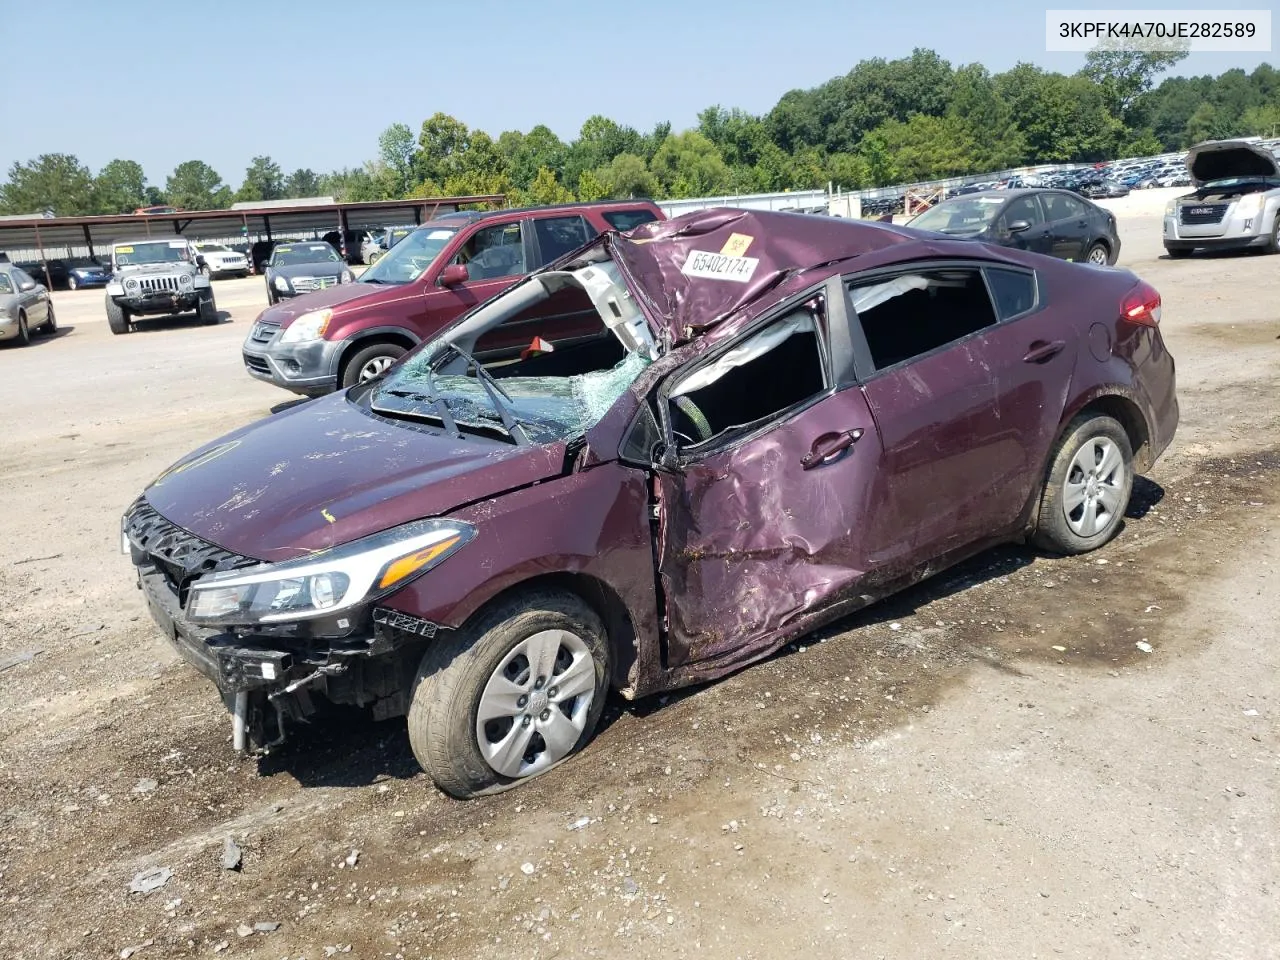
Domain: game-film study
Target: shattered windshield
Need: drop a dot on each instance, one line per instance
(408, 258)
(546, 408)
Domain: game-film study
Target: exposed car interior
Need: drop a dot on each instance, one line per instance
(915, 313)
(753, 381)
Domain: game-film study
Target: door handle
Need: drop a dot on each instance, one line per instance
(828, 446)
(1042, 350)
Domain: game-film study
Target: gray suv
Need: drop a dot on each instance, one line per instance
(1236, 204)
(156, 278)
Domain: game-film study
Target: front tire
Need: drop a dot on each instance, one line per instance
(370, 363)
(72, 282)
(207, 310)
(24, 332)
(1273, 245)
(1086, 491)
(1177, 253)
(50, 325)
(511, 695)
(117, 317)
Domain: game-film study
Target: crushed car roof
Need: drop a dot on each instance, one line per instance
(696, 270)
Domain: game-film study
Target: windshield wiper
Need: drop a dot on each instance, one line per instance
(432, 396)
(493, 389)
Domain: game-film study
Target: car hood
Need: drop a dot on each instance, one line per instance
(285, 312)
(324, 472)
(146, 269)
(1220, 159)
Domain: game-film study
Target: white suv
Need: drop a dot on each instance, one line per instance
(220, 261)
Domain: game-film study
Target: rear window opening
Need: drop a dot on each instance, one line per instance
(751, 383)
(915, 313)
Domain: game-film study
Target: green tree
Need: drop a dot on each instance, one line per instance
(120, 187)
(263, 180)
(928, 148)
(396, 149)
(689, 165)
(1064, 119)
(348, 185)
(848, 171)
(986, 119)
(529, 153)
(1208, 122)
(1124, 75)
(52, 181)
(194, 185)
(546, 189)
(1261, 121)
(441, 137)
(303, 182)
(591, 188)
(626, 176)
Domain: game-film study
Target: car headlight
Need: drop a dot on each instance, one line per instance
(309, 326)
(280, 283)
(347, 276)
(1249, 205)
(1170, 207)
(333, 582)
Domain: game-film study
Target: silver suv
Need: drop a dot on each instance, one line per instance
(156, 278)
(1236, 204)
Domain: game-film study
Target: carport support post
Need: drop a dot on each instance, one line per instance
(342, 234)
(88, 241)
(44, 261)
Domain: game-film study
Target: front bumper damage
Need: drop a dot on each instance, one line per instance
(308, 367)
(269, 682)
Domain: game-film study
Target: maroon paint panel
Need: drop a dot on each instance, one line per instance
(751, 540)
(593, 523)
(324, 473)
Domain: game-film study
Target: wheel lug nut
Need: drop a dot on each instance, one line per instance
(526, 720)
(537, 684)
(545, 715)
(522, 701)
(552, 691)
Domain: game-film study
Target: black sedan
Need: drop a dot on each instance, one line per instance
(1053, 222)
(301, 267)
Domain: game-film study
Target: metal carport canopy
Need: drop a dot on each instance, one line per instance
(32, 233)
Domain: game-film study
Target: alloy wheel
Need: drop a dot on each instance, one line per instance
(1092, 490)
(1098, 255)
(375, 367)
(535, 706)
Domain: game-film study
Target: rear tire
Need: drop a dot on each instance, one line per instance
(1087, 488)
(460, 670)
(370, 362)
(374, 257)
(117, 317)
(1098, 255)
(207, 310)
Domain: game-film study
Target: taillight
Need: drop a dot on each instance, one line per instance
(1141, 305)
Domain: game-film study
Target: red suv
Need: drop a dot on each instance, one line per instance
(348, 334)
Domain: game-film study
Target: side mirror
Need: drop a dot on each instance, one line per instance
(1019, 226)
(199, 259)
(28, 285)
(454, 274)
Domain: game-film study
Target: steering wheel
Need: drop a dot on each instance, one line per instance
(697, 420)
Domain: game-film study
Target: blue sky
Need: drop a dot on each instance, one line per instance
(312, 84)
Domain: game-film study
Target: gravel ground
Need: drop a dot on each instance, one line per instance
(1023, 757)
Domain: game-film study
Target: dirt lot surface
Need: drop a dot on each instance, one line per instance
(1025, 757)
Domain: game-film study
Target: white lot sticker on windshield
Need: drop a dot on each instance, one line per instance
(178, 244)
(990, 199)
(439, 234)
(717, 266)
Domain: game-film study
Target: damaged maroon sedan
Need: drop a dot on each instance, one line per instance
(781, 419)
